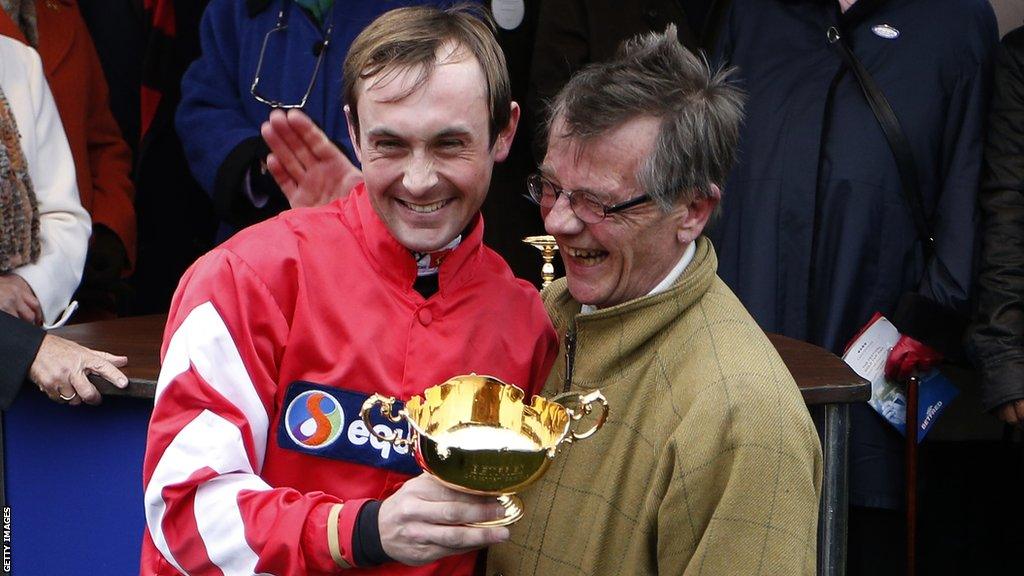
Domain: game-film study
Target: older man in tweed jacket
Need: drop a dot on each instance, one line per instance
(709, 463)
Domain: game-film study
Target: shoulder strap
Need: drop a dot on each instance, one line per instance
(895, 136)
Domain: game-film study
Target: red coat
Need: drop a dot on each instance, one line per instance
(316, 301)
(102, 159)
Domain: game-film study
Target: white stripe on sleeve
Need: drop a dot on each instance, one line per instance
(220, 522)
(203, 341)
(208, 441)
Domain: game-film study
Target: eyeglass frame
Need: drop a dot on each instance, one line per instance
(281, 26)
(537, 180)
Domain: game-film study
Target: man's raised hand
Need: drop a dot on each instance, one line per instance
(308, 167)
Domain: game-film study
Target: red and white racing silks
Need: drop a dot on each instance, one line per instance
(272, 341)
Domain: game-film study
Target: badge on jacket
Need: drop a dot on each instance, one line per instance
(508, 14)
(885, 31)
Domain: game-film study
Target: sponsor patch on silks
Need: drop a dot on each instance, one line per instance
(325, 422)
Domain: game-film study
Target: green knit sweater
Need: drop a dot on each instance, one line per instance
(708, 463)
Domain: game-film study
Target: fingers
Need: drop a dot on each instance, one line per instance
(424, 521)
(282, 177)
(37, 309)
(84, 389)
(277, 170)
(272, 129)
(108, 371)
(24, 311)
(455, 513)
(300, 121)
(1007, 413)
(456, 539)
(314, 139)
(281, 148)
(62, 368)
(48, 387)
(294, 153)
(426, 532)
(1018, 408)
(114, 359)
(423, 544)
(68, 391)
(52, 394)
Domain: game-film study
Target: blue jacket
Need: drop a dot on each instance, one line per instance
(815, 234)
(219, 120)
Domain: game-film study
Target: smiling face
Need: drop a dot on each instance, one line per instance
(627, 254)
(426, 156)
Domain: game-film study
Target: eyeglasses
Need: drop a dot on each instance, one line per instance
(584, 205)
(279, 29)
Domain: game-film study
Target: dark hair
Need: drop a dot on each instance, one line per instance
(653, 75)
(410, 37)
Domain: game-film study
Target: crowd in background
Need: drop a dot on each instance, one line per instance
(818, 228)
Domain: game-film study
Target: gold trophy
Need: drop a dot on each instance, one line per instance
(476, 435)
(547, 247)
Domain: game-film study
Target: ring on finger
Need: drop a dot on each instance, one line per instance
(68, 398)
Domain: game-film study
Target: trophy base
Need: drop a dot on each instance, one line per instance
(513, 512)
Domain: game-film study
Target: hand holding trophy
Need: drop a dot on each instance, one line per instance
(475, 435)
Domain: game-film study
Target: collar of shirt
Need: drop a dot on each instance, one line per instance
(429, 262)
(392, 261)
(667, 281)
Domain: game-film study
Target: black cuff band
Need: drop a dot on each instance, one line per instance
(366, 547)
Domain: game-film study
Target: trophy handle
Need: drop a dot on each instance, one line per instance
(586, 406)
(386, 403)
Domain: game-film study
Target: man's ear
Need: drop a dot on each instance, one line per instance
(503, 143)
(352, 136)
(697, 214)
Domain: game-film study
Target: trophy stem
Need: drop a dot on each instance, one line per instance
(548, 270)
(513, 512)
(547, 247)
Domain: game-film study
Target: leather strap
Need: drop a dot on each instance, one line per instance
(894, 135)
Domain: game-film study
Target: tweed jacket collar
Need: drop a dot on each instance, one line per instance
(607, 338)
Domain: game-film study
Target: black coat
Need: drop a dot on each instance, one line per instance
(997, 337)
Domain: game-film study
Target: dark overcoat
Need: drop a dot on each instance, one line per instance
(815, 234)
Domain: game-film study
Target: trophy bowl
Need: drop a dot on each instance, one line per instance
(476, 434)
